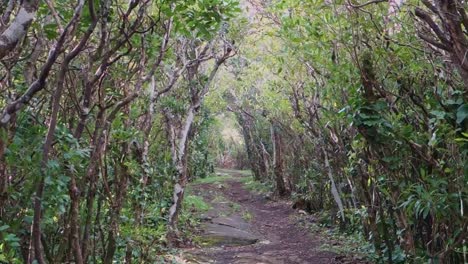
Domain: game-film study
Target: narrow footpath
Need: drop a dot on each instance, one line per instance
(245, 227)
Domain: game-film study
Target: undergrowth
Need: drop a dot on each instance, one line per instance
(193, 208)
(334, 239)
(212, 179)
(252, 185)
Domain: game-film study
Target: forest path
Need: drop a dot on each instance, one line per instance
(272, 226)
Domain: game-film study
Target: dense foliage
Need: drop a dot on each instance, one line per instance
(109, 108)
(361, 110)
(100, 105)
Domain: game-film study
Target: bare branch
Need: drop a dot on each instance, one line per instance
(424, 16)
(39, 84)
(18, 28)
(51, 5)
(434, 42)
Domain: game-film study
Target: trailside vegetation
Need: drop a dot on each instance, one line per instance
(357, 110)
(99, 103)
(360, 109)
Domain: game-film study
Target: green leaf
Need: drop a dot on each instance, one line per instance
(53, 164)
(462, 113)
(51, 31)
(438, 114)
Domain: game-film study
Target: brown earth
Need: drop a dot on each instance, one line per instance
(281, 238)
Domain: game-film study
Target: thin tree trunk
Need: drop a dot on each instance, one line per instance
(179, 187)
(248, 141)
(278, 160)
(196, 101)
(18, 28)
(117, 204)
(36, 246)
(334, 190)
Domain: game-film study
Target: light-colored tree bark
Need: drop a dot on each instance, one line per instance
(334, 189)
(182, 138)
(18, 27)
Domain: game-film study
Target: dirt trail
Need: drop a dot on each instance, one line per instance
(281, 238)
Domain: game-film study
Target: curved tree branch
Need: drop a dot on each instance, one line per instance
(425, 17)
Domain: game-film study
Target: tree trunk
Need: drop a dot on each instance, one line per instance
(180, 152)
(18, 28)
(334, 190)
(179, 187)
(249, 146)
(278, 160)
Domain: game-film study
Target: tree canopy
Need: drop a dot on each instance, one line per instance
(355, 110)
